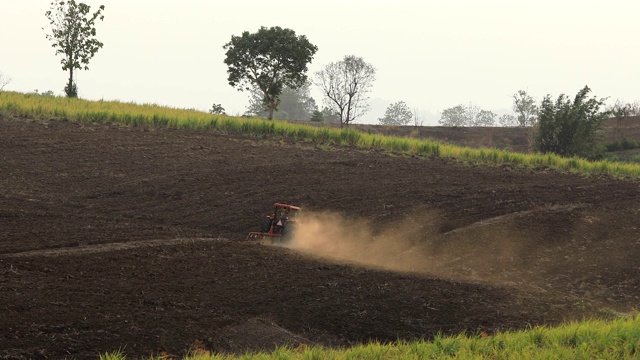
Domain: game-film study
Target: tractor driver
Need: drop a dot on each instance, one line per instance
(281, 221)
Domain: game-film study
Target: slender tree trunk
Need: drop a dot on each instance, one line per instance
(70, 85)
(270, 110)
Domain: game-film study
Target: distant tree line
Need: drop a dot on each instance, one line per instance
(524, 107)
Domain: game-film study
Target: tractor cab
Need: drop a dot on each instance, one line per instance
(278, 223)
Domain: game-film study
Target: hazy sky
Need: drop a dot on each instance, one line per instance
(430, 54)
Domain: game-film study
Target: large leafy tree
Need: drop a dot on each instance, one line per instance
(73, 35)
(345, 85)
(570, 128)
(270, 59)
(397, 113)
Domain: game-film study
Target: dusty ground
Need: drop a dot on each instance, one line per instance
(116, 238)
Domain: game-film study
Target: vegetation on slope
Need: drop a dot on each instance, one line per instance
(592, 339)
(130, 114)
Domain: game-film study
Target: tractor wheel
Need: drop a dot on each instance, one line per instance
(266, 225)
(287, 232)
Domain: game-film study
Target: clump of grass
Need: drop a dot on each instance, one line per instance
(130, 114)
(589, 339)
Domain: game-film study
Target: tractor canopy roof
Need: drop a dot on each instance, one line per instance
(286, 206)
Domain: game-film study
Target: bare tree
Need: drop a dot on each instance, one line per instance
(4, 81)
(345, 85)
(417, 119)
(621, 110)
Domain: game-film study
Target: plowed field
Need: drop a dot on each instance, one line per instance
(134, 239)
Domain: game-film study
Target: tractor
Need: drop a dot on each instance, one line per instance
(279, 224)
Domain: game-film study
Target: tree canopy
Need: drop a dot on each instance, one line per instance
(73, 35)
(467, 115)
(269, 59)
(397, 113)
(217, 109)
(570, 128)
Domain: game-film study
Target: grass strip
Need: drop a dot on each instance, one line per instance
(589, 339)
(131, 114)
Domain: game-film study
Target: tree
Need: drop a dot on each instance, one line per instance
(507, 120)
(316, 116)
(525, 108)
(73, 36)
(570, 128)
(454, 116)
(217, 109)
(269, 59)
(621, 110)
(417, 119)
(329, 115)
(397, 114)
(469, 115)
(4, 81)
(294, 104)
(345, 85)
(484, 118)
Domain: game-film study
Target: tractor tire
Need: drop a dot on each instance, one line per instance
(287, 232)
(266, 226)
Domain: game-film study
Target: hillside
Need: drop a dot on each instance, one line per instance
(510, 138)
(134, 238)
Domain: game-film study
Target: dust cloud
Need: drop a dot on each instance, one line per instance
(522, 250)
(398, 246)
(412, 244)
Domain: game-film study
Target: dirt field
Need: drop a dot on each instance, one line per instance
(117, 238)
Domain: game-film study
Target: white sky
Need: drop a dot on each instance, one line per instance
(430, 54)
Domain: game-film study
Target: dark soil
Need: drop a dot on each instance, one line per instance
(134, 239)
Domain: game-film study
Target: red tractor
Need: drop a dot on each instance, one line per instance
(279, 224)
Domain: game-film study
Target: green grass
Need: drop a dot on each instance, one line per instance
(626, 156)
(590, 339)
(130, 114)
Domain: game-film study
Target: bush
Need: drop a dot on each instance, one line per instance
(624, 144)
(570, 128)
